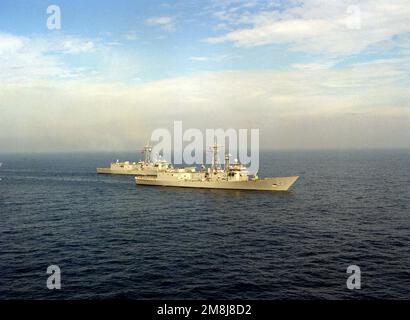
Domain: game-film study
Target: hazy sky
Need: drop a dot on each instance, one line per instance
(308, 73)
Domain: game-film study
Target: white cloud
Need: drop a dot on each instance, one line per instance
(199, 58)
(311, 104)
(75, 46)
(214, 58)
(333, 27)
(131, 36)
(22, 59)
(365, 105)
(313, 66)
(26, 59)
(167, 23)
(10, 43)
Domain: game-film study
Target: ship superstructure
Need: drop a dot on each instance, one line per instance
(232, 176)
(146, 167)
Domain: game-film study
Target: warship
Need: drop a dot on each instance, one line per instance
(232, 176)
(145, 167)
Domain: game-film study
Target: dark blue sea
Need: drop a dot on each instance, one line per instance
(113, 239)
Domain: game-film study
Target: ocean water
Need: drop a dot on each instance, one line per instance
(113, 239)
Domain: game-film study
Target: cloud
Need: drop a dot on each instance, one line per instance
(332, 27)
(167, 23)
(197, 58)
(26, 59)
(215, 58)
(10, 43)
(364, 105)
(131, 36)
(311, 104)
(75, 46)
(23, 59)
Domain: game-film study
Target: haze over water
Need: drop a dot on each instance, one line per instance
(114, 239)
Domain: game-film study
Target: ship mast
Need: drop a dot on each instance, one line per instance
(227, 156)
(147, 153)
(215, 161)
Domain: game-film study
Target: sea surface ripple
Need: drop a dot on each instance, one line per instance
(113, 239)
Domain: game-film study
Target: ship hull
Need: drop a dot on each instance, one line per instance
(126, 172)
(268, 184)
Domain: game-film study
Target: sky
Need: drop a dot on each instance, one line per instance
(308, 74)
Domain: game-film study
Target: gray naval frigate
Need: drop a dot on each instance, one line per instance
(232, 176)
(145, 167)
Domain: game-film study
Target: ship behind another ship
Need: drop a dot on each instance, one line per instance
(145, 167)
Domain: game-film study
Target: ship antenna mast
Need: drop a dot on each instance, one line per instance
(147, 152)
(226, 167)
(215, 161)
